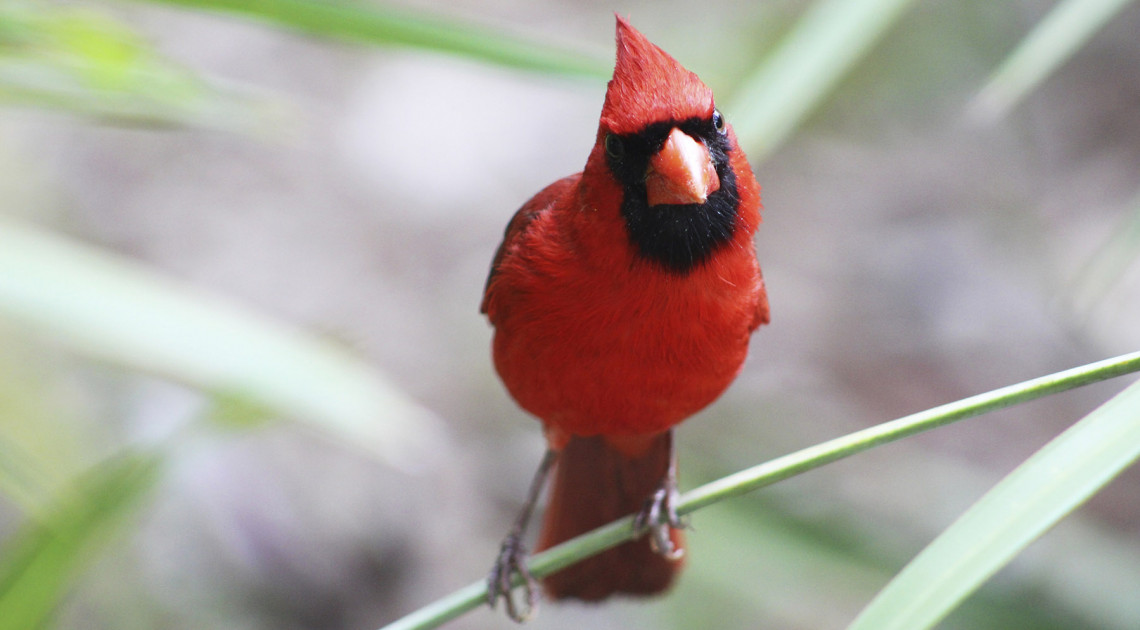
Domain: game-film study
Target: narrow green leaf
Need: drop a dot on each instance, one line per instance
(378, 24)
(40, 562)
(792, 81)
(112, 309)
(1051, 43)
(1029, 501)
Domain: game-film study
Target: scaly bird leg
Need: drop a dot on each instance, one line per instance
(512, 553)
(659, 515)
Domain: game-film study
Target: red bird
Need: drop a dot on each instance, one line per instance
(623, 299)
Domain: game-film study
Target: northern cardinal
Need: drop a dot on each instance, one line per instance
(623, 299)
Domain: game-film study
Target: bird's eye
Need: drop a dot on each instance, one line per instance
(718, 122)
(614, 147)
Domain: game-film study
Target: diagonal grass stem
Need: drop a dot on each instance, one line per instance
(569, 552)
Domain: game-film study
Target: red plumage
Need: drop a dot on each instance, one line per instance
(615, 320)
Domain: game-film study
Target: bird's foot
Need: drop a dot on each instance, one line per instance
(511, 560)
(659, 517)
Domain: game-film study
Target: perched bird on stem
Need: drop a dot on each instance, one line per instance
(623, 299)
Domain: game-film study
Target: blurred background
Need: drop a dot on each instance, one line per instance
(336, 204)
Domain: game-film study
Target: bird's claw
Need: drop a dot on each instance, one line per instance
(659, 517)
(511, 560)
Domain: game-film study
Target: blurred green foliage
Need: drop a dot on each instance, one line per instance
(81, 60)
(86, 61)
(38, 564)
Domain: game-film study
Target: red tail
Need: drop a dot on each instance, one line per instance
(594, 483)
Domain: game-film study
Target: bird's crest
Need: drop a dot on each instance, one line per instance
(650, 86)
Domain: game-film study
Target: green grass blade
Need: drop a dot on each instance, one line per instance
(112, 309)
(379, 24)
(1030, 500)
(39, 563)
(826, 42)
(1051, 43)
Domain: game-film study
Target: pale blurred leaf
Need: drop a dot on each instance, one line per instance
(107, 307)
(1051, 43)
(1108, 264)
(826, 42)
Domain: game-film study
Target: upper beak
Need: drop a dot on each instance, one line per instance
(681, 172)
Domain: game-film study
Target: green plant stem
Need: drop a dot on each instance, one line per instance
(571, 551)
(815, 456)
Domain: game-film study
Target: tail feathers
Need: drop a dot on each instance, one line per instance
(594, 484)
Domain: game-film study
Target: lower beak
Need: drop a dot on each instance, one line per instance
(681, 172)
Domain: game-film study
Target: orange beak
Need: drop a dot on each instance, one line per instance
(681, 172)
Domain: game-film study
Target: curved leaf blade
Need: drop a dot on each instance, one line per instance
(109, 308)
(1023, 506)
(376, 24)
